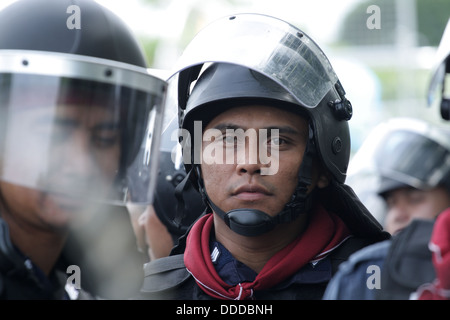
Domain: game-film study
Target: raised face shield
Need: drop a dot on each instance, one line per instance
(81, 128)
(281, 53)
(269, 46)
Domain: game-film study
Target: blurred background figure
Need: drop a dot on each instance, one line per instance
(439, 244)
(405, 163)
(413, 172)
(401, 171)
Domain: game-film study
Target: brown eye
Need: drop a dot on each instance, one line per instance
(105, 140)
(276, 141)
(105, 136)
(229, 140)
(416, 196)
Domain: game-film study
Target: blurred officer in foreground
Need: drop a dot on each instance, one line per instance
(265, 140)
(80, 121)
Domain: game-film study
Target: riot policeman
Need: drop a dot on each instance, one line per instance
(76, 107)
(254, 83)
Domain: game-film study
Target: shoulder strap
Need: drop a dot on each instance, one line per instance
(342, 253)
(164, 274)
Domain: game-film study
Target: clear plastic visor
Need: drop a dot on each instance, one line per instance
(435, 89)
(79, 138)
(267, 45)
(414, 160)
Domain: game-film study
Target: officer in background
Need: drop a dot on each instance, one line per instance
(439, 244)
(411, 265)
(77, 107)
(412, 173)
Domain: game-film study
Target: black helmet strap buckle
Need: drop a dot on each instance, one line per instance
(342, 108)
(179, 190)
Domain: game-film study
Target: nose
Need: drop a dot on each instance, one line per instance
(248, 160)
(77, 159)
(399, 214)
(249, 168)
(398, 217)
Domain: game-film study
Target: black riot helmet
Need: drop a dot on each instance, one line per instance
(75, 64)
(400, 152)
(52, 26)
(258, 58)
(411, 153)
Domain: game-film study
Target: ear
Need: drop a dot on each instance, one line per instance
(323, 181)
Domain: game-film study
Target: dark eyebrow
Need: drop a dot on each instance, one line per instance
(282, 129)
(107, 126)
(226, 126)
(111, 125)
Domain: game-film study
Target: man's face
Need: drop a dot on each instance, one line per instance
(68, 153)
(406, 204)
(85, 149)
(242, 183)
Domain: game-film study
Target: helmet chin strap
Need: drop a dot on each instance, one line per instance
(252, 222)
